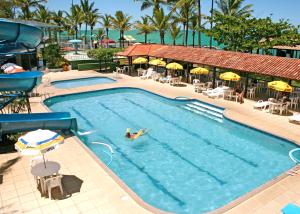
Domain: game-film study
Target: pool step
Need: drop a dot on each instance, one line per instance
(205, 110)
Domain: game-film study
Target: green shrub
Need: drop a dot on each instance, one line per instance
(103, 54)
(52, 55)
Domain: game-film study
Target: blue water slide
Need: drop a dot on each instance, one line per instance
(14, 123)
(24, 81)
(19, 34)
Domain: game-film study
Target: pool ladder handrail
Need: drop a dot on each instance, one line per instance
(110, 149)
(295, 160)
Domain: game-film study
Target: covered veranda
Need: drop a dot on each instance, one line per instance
(249, 66)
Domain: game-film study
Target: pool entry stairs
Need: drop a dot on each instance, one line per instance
(203, 109)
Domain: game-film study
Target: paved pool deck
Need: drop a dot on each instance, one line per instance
(90, 187)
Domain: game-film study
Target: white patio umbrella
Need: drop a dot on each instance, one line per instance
(38, 142)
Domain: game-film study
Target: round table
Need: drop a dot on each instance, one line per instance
(39, 169)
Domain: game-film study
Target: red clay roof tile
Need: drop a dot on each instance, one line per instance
(253, 63)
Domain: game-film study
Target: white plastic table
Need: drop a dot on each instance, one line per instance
(39, 169)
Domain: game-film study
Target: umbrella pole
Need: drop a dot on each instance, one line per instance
(44, 161)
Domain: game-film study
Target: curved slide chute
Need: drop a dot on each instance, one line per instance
(14, 123)
(19, 34)
(24, 81)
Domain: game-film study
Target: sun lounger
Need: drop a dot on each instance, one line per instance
(215, 91)
(261, 104)
(148, 74)
(165, 79)
(291, 209)
(295, 118)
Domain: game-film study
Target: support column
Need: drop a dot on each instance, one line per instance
(130, 65)
(188, 72)
(246, 86)
(214, 77)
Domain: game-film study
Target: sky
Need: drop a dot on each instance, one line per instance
(280, 9)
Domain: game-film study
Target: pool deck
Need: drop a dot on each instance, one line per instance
(90, 187)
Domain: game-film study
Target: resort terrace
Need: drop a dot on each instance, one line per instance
(280, 67)
(100, 191)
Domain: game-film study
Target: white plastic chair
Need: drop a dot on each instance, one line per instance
(251, 93)
(294, 102)
(148, 75)
(196, 81)
(52, 182)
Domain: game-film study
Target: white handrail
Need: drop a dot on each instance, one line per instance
(291, 155)
(106, 145)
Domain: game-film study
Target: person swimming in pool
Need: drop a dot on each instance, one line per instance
(135, 135)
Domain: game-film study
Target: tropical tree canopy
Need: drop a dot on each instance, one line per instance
(233, 8)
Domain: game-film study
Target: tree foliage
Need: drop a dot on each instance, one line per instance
(104, 54)
(246, 34)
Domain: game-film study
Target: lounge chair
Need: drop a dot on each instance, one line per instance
(215, 90)
(261, 104)
(148, 74)
(291, 209)
(295, 118)
(175, 81)
(165, 79)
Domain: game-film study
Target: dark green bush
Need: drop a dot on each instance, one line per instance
(52, 55)
(104, 54)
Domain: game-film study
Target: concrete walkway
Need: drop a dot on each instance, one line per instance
(90, 187)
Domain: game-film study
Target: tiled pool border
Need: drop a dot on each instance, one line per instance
(153, 209)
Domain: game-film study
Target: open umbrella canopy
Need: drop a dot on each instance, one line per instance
(199, 70)
(38, 142)
(140, 60)
(75, 41)
(280, 86)
(157, 62)
(174, 66)
(230, 76)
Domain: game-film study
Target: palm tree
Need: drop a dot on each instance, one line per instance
(106, 22)
(160, 23)
(233, 8)
(6, 9)
(174, 32)
(121, 22)
(152, 3)
(42, 14)
(58, 18)
(186, 9)
(92, 21)
(26, 5)
(75, 18)
(194, 27)
(144, 27)
(87, 9)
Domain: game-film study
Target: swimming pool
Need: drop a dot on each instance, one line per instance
(73, 83)
(188, 162)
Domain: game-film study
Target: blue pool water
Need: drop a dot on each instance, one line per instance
(187, 163)
(73, 83)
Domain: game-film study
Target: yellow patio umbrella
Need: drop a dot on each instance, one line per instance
(280, 86)
(140, 60)
(199, 70)
(174, 66)
(230, 76)
(158, 62)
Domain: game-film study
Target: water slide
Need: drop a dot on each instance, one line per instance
(24, 81)
(17, 38)
(14, 123)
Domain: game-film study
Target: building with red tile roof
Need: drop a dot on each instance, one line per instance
(281, 67)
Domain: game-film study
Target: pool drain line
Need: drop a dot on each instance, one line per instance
(110, 149)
